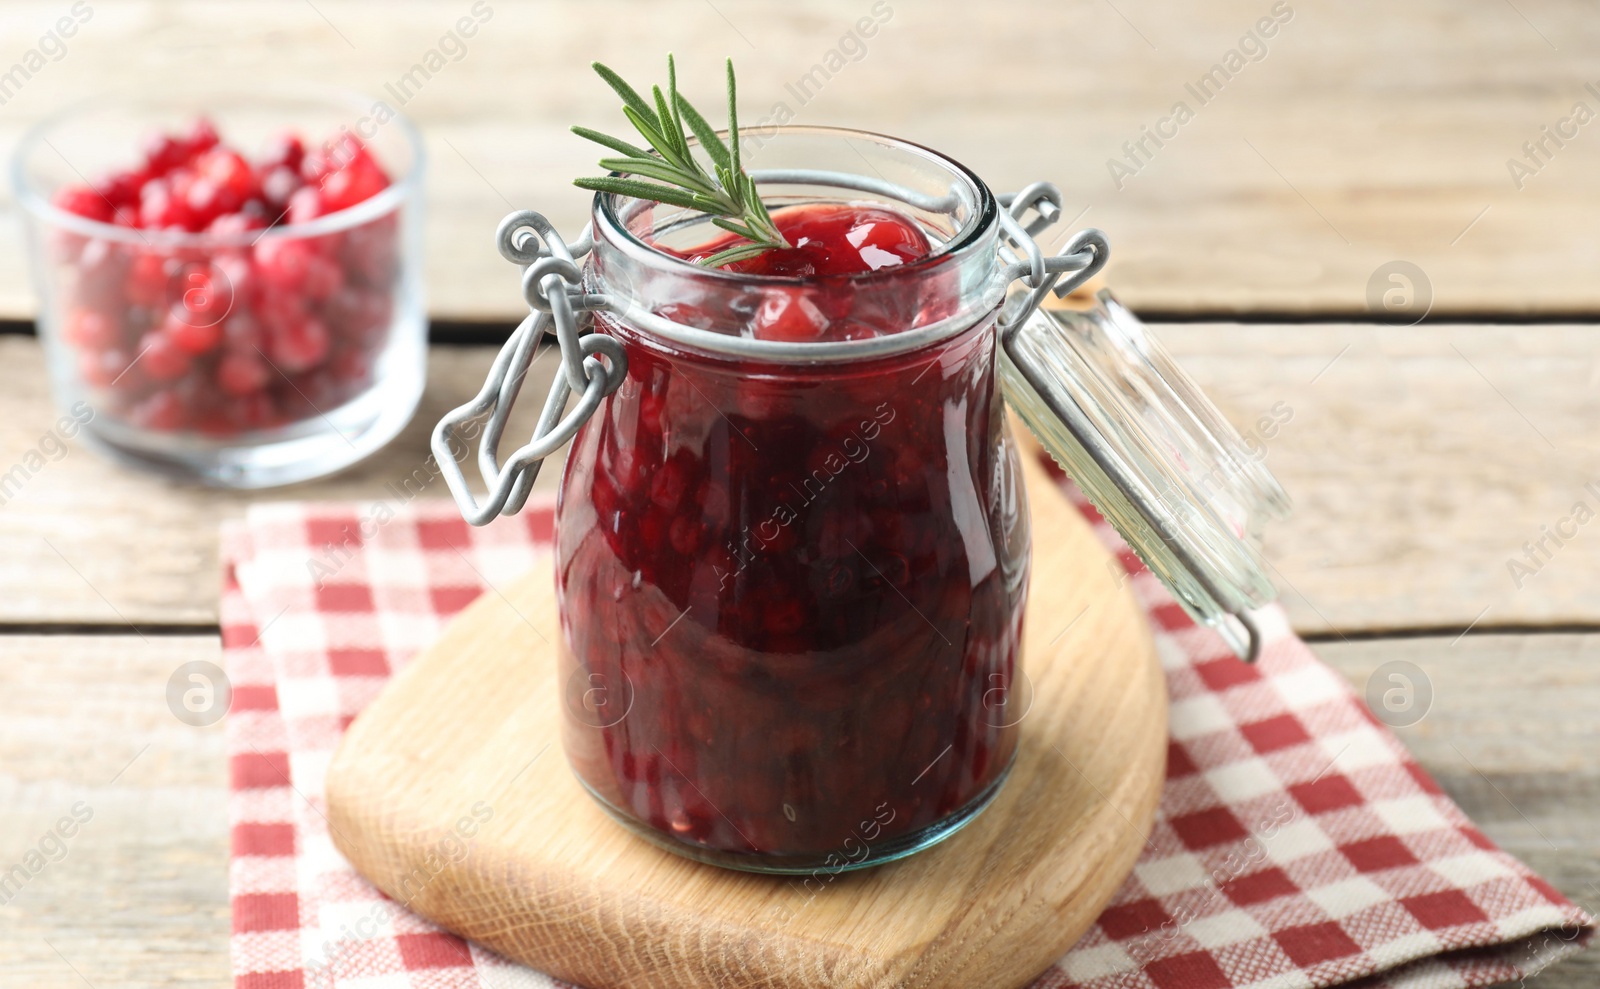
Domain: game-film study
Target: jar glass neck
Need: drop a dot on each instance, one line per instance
(640, 261)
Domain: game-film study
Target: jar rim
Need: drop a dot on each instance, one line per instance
(975, 234)
(985, 214)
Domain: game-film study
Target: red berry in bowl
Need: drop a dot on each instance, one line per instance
(232, 224)
(201, 136)
(278, 186)
(161, 357)
(299, 345)
(351, 177)
(162, 153)
(85, 202)
(241, 372)
(146, 283)
(192, 338)
(163, 412)
(304, 204)
(209, 319)
(121, 189)
(282, 262)
(104, 368)
(88, 329)
(162, 208)
(231, 173)
(286, 151)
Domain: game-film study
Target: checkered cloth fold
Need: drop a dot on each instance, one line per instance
(1297, 843)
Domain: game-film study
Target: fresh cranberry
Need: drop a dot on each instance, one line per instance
(351, 365)
(161, 207)
(359, 315)
(201, 136)
(282, 262)
(232, 224)
(121, 189)
(85, 202)
(88, 329)
(299, 345)
(250, 411)
(831, 240)
(234, 278)
(279, 187)
(162, 153)
(350, 176)
(164, 412)
(204, 294)
(231, 174)
(146, 283)
(242, 330)
(371, 252)
(242, 372)
(286, 151)
(100, 267)
(104, 368)
(162, 358)
(192, 338)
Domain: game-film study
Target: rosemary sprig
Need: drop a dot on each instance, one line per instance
(727, 194)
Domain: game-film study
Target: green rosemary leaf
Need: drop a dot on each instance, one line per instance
(727, 194)
(738, 253)
(734, 226)
(733, 122)
(613, 143)
(629, 96)
(672, 94)
(646, 190)
(664, 146)
(664, 114)
(655, 168)
(705, 134)
(646, 126)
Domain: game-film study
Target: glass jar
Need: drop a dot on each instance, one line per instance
(807, 571)
(301, 346)
(792, 573)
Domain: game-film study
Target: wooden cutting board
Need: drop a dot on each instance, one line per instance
(466, 741)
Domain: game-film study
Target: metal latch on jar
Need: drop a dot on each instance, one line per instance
(1057, 372)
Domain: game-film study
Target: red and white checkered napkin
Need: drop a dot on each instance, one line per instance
(1297, 844)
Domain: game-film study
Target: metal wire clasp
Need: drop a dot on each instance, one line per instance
(1080, 258)
(552, 284)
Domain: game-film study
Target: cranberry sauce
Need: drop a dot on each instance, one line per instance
(835, 246)
(792, 594)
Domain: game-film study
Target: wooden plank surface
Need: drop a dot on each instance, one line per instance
(1421, 461)
(1367, 132)
(141, 897)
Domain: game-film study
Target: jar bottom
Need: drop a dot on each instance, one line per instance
(827, 864)
(301, 451)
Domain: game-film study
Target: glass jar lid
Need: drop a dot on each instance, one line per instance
(1151, 452)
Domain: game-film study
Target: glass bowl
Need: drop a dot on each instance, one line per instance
(232, 357)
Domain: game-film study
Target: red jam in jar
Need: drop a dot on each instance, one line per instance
(792, 589)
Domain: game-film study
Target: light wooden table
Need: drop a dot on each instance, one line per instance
(1420, 459)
